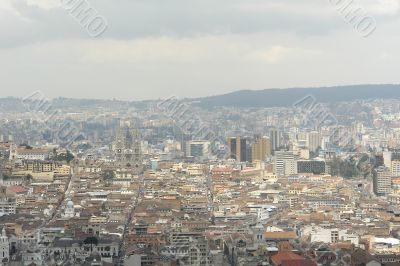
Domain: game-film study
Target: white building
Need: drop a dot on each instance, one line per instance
(314, 141)
(33, 154)
(395, 167)
(285, 163)
(4, 246)
(8, 202)
(262, 211)
(330, 235)
(69, 210)
(198, 148)
(387, 158)
(382, 181)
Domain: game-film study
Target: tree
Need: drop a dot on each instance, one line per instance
(91, 240)
(108, 176)
(29, 177)
(68, 157)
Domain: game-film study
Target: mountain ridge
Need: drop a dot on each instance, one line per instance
(287, 97)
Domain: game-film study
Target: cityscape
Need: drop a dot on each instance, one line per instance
(199, 133)
(89, 182)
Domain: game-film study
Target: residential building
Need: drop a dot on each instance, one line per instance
(382, 181)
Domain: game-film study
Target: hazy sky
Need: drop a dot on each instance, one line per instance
(159, 48)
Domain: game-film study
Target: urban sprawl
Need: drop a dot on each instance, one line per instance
(85, 182)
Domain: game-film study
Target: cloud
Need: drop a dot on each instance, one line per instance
(132, 19)
(381, 7)
(44, 4)
(156, 48)
(273, 55)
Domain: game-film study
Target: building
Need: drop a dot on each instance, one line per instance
(330, 235)
(275, 139)
(387, 158)
(382, 181)
(127, 148)
(198, 148)
(314, 141)
(314, 167)
(33, 154)
(285, 163)
(4, 246)
(238, 149)
(8, 202)
(395, 167)
(261, 149)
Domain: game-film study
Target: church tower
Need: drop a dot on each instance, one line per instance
(127, 149)
(4, 246)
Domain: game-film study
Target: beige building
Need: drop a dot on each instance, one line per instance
(261, 149)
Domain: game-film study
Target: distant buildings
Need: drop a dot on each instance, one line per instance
(285, 163)
(127, 148)
(8, 202)
(275, 139)
(314, 141)
(382, 181)
(315, 167)
(261, 149)
(238, 149)
(32, 154)
(4, 246)
(198, 148)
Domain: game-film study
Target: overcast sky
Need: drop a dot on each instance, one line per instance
(158, 48)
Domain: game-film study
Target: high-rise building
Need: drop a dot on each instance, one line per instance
(302, 139)
(198, 148)
(261, 149)
(314, 141)
(275, 139)
(395, 167)
(285, 163)
(387, 158)
(382, 181)
(238, 149)
(127, 148)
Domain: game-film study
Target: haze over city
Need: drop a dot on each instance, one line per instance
(199, 133)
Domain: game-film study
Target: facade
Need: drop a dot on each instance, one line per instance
(4, 247)
(261, 149)
(32, 154)
(315, 167)
(395, 167)
(238, 149)
(285, 163)
(275, 139)
(330, 235)
(127, 148)
(382, 181)
(198, 148)
(8, 202)
(314, 141)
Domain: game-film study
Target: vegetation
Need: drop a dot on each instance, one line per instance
(91, 240)
(286, 97)
(26, 146)
(351, 167)
(68, 157)
(108, 176)
(343, 168)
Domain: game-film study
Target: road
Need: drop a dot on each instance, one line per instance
(123, 244)
(65, 197)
